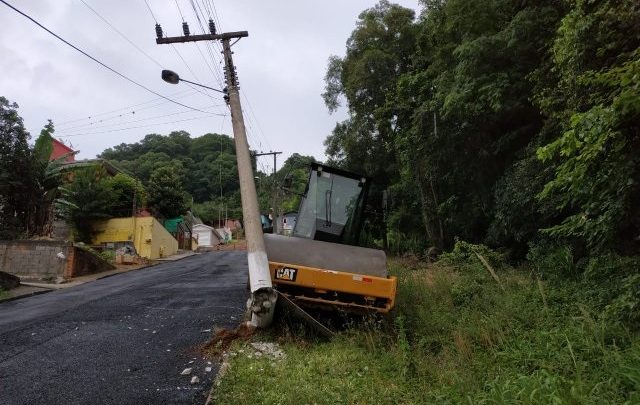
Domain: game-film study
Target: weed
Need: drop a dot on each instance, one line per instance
(457, 337)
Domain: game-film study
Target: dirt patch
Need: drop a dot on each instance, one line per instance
(223, 338)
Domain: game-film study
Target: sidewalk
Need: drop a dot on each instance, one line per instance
(175, 257)
(27, 288)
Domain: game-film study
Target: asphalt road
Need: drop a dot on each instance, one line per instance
(123, 339)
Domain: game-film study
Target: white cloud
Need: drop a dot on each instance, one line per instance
(281, 67)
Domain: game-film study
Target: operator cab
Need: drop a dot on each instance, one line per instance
(332, 207)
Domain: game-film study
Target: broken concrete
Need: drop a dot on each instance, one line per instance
(268, 349)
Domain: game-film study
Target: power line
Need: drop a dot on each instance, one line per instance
(179, 11)
(122, 108)
(121, 34)
(152, 15)
(94, 59)
(140, 126)
(75, 129)
(204, 93)
(133, 44)
(216, 74)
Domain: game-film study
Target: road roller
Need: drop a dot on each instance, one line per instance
(321, 264)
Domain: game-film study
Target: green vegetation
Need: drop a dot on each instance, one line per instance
(31, 186)
(202, 169)
(91, 199)
(94, 195)
(492, 120)
(555, 334)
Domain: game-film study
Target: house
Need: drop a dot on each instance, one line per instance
(206, 236)
(150, 239)
(61, 150)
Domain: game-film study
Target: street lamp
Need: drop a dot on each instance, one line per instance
(172, 77)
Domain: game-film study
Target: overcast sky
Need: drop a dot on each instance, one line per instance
(281, 66)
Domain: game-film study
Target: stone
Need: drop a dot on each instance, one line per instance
(195, 379)
(186, 371)
(8, 281)
(269, 349)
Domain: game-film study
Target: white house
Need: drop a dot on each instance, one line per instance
(206, 235)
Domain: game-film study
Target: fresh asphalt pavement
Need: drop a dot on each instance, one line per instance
(123, 339)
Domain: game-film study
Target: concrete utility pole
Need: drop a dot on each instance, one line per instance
(275, 188)
(263, 296)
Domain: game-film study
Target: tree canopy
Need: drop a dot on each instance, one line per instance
(208, 162)
(500, 122)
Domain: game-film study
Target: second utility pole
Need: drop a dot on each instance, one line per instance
(263, 296)
(275, 188)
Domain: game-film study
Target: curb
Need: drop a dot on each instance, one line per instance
(49, 289)
(25, 296)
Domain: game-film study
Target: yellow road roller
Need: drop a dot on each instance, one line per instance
(319, 265)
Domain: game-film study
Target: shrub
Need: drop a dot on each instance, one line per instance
(551, 260)
(465, 253)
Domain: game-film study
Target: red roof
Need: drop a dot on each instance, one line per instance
(59, 150)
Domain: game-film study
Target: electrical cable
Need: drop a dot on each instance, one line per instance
(152, 15)
(140, 126)
(94, 59)
(122, 108)
(179, 11)
(122, 35)
(205, 93)
(216, 73)
(75, 129)
(136, 46)
(133, 112)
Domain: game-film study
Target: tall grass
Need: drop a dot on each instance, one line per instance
(457, 337)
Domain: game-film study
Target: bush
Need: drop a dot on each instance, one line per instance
(615, 287)
(549, 260)
(108, 256)
(464, 254)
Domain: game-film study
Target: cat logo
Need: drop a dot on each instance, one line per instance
(286, 274)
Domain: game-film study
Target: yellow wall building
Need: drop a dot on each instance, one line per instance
(149, 237)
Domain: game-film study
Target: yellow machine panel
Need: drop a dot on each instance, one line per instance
(336, 288)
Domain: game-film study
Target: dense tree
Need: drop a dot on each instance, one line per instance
(15, 157)
(209, 161)
(166, 192)
(596, 99)
(127, 193)
(492, 120)
(91, 198)
(378, 52)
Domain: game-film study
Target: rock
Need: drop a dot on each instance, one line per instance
(8, 281)
(207, 369)
(195, 379)
(186, 371)
(268, 349)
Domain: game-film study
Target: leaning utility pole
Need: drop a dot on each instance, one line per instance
(275, 188)
(263, 296)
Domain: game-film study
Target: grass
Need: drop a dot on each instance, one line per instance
(456, 337)
(3, 294)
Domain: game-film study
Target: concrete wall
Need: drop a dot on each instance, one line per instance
(47, 260)
(162, 244)
(149, 237)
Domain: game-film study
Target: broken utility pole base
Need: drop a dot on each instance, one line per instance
(261, 306)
